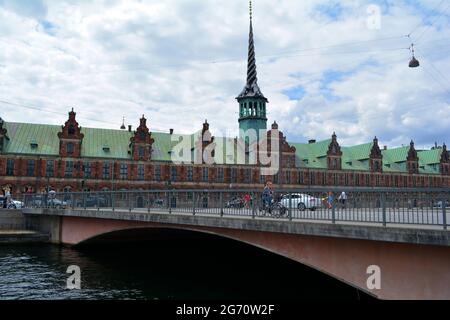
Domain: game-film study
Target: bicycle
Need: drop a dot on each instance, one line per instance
(275, 209)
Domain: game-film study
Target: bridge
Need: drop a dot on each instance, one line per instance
(403, 232)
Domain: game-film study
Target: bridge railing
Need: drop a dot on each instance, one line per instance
(423, 207)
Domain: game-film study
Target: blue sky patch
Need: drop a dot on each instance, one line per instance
(295, 93)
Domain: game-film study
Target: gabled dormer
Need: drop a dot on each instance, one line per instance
(334, 154)
(412, 161)
(445, 161)
(376, 157)
(3, 135)
(70, 138)
(141, 142)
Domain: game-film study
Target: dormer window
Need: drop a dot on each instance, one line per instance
(71, 130)
(33, 144)
(141, 152)
(106, 148)
(70, 148)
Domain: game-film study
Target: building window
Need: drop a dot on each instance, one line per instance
(288, 177)
(87, 169)
(233, 174)
(173, 173)
(276, 178)
(205, 174)
(248, 175)
(30, 168)
(141, 172)
(158, 173)
(70, 148)
(190, 174)
(10, 167)
(123, 171)
(262, 178)
(301, 177)
(71, 130)
(220, 174)
(106, 169)
(69, 169)
(313, 178)
(50, 168)
(141, 152)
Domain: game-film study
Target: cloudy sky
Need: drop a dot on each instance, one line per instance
(324, 65)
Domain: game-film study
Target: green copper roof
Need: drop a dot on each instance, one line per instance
(95, 139)
(22, 134)
(110, 143)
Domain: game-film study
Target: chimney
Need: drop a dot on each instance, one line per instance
(171, 131)
(312, 141)
(129, 128)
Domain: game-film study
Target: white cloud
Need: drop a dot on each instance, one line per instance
(110, 59)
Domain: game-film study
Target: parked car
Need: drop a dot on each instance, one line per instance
(92, 201)
(14, 204)
(56, 203)
(301, 201)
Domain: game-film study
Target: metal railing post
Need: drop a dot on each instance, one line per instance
(148, 202)
(290, 207)
(98, 207)
(383, 208)
(253, 206)
(444, 213)
(112, 201)
(129, 202)
(72, 200)
(193, 203)
(221, 203)
(333, 211)
(170, 201)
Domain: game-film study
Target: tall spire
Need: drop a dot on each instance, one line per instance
(251, 89)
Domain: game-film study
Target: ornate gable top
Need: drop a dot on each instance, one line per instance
(445, 157)
(334, 149)
(141, 135)
(375, 152)
(412, 153)
(71, 129)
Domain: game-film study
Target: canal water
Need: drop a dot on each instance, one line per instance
(173, 266)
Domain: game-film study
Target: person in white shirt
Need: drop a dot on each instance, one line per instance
(343, 198)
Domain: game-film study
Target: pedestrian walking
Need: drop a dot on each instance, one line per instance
(343, 199)
(247, 200)
(330, 200)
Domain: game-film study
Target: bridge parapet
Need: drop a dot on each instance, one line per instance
(418, 208)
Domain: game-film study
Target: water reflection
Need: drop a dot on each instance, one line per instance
(164, 265)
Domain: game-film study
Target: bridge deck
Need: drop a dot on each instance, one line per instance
(366, 230)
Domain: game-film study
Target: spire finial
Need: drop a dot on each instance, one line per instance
(251, 13)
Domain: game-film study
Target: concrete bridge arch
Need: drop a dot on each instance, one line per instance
(408, 271)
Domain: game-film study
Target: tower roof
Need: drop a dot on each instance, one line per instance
(251, 89)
